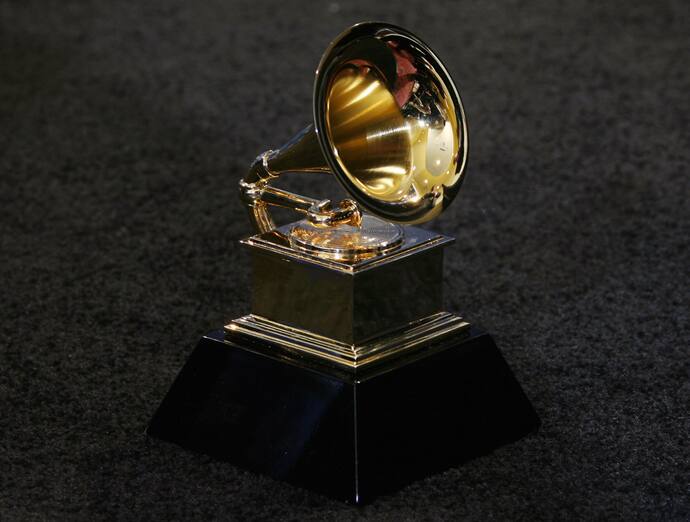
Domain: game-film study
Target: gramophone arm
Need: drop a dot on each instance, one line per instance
(301, 154)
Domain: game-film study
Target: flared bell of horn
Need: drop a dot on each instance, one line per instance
(388, 123)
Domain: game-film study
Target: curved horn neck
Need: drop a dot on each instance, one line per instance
(301, 154)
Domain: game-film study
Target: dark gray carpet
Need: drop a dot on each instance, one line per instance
(124, 128)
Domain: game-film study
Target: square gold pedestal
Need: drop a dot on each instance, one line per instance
(350, 313)
(347, 378)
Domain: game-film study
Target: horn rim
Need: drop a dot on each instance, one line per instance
(373, 205)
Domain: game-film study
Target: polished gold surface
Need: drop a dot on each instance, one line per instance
(369, 135)
(349, 300)
(401, 154)
(414, 241)
(418, 335)
(347, 242)
(347, 284)
(388, 123)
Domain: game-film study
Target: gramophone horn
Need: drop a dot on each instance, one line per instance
(388, 123)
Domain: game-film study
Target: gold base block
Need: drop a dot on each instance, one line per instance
(416, 335)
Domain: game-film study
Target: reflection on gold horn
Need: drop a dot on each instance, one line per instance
(388, 123)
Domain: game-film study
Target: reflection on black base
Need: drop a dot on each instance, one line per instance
(351, 437)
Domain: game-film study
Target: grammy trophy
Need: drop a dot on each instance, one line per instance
(348, 376)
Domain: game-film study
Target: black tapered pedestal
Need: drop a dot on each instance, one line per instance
(349, 436)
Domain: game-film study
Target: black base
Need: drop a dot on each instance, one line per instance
(351, 437)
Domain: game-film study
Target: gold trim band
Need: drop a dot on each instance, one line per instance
(414, 335)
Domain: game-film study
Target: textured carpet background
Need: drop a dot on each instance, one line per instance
(124, 128)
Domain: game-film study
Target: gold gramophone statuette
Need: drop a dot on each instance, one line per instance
(348, 377)
(347, 283)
